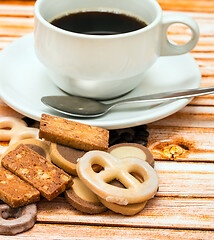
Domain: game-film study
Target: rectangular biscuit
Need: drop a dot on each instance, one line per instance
(73, 134)
(16, 192)
(37, 171)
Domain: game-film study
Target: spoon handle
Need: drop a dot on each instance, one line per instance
(160, 97)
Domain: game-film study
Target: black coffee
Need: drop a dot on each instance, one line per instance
(98, 23)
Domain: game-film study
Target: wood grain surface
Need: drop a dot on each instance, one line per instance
(182, 145)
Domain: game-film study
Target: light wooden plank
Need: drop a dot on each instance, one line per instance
(5, 41)
(7, 111)
(181, 179)
(167, 212)
(15, 22)
(206, 70)
(190, 116)
(181, 143)
(207, 81)
(190, 5)
(17, 8)
(15, 31)
(200, 101)
(68, 232)
(205, 26)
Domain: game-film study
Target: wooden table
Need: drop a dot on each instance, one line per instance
(182, 144)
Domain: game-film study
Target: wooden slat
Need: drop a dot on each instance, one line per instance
(207, 81)
(188, 5)
(206, 100)
(5, 41)
(17, 8)
(181, 143)
(167, 212)
(7, 111)
(15, 26)
(203, 101)
(181, 179)
(190, 116)
(68, 232)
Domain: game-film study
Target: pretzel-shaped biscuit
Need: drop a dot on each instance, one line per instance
(14, 129)
(120, 169)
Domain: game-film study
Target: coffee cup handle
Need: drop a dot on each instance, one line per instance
(168, 48)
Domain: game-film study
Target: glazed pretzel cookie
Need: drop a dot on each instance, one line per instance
(24, 219)
(120, 169)
(127, 150)
(129, 209)
(14, 129)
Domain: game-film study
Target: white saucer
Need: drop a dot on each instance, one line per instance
(23, 81)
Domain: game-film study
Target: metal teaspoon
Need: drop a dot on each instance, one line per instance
(85, 107)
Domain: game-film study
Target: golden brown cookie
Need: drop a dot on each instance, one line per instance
(83, 199)
(65, 157)
(41, 147)
(73, 134)
(37, 171)
(129, 150)
(16, 192)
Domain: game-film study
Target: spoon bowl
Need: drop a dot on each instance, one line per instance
(76, 106)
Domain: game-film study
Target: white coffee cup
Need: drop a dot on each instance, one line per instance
(105, 66)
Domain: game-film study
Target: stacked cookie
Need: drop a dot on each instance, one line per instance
(120, 178)
(124, 187)
(25, 175)
(69, 141)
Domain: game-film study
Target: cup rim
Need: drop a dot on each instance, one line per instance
(82, 35)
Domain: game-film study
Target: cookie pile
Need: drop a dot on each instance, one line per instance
(123, 184)
(74, 158)
(86, 155)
